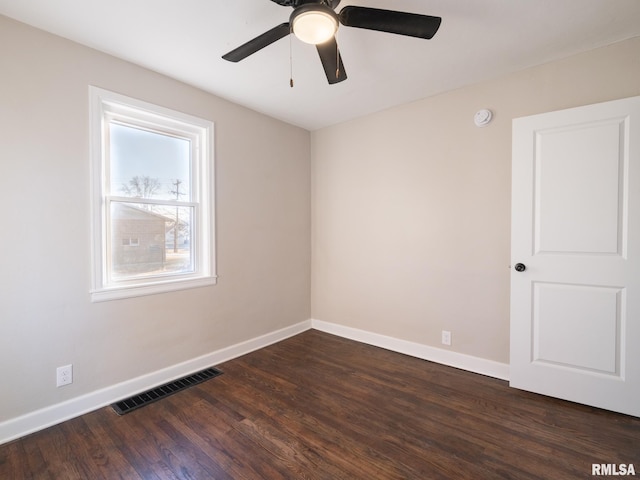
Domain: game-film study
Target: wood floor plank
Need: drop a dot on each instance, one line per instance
(208, 433)
(59, 454)
(93, 459)
(116, 435)
(317, 406)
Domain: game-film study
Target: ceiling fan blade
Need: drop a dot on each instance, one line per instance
(402, 23)
(331, 61)
(258, 43)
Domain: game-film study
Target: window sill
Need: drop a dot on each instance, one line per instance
(129, 291)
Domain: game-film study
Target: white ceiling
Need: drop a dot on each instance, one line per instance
(478, 40)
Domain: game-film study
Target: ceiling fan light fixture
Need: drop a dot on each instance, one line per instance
(314, 23)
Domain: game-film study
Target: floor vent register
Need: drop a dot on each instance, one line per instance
(158, 393)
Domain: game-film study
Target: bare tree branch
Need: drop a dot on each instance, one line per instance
(141, 186)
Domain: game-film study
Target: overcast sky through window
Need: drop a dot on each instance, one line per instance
(139, 152)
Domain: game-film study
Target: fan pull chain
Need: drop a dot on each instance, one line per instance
(337, 56)
(290, 62)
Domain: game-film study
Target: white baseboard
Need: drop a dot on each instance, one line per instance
(470, 363)
(54, 414)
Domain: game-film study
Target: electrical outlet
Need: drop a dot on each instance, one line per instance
(64, 375)
(446, 337)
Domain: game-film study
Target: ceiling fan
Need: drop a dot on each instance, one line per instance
(316, 22)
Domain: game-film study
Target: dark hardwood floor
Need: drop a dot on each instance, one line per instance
(318, 406)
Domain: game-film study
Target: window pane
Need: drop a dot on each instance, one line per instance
(147, 164)
(150, 240)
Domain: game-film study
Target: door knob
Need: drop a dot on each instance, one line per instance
(520, 267)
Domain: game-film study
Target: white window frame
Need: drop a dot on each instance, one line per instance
(106, 106)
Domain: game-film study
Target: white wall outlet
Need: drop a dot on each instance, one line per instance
(446, 337)
(64, 375)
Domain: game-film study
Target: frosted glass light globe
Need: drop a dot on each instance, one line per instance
(314, 25)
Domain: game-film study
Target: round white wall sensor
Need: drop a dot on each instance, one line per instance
(482, 117)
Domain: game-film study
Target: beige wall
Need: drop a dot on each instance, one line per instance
(411, 206)
(46, 317)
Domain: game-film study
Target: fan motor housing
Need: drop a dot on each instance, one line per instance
(297, 3)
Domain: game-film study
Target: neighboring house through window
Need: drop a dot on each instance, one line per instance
(152, 198)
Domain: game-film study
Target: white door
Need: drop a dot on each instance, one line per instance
(575, 308)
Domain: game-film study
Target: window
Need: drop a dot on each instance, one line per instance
(152, 194)
(130, 242)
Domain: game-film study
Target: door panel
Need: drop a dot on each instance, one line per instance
(578, 194)
(575, 309)
(559, 311)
